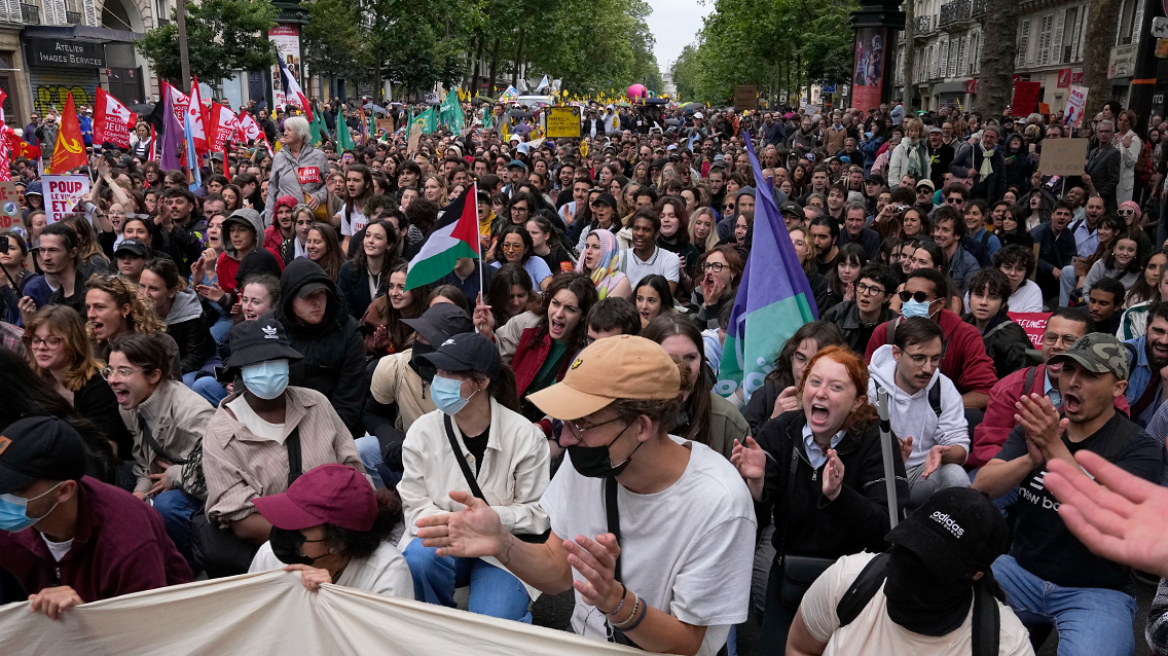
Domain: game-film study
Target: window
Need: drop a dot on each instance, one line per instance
(1128, 21)
(962, 52)
(1070, 40)
(1023, 43)
(1045, 32)
(1080, 46)
(975, 53)
(953, 49)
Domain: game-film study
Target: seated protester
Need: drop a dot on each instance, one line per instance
(644, 257)
(675, 589)
(652, 298)
(777, 394)
(61, 353)
(1147, 356)
(1121, 263)
(546, 241)
(1105, 304)
(332, 358)
(857, 319)
(242, 230)
(1135, 319)
(1018, 264)
(818, 471)
(720, 270)
(965, 362)
(115, 307)
(1094, 609)
(387, 313)
(948, 230)
(188, 323)
(62, 282)
(448, 294)
(510, 294)
(399, 392)
(515, 247)
(168, 421)
(926, 412)
(296, 245)
(611, 317)
(1005, 342)
(68, 539)
(1145, 288)
(259, 295)
(600, 261)
(360, 279)
(922, 595)
(255, 436)
(130, 259)
(705, 417)
(976, 215)
(1057, 248)
(354, 215)
(855, 232)
(330, 526)
(841, 281)
(478, 425)
(470, 278)
(282, 228)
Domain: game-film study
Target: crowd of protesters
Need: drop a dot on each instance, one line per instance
(211, 380)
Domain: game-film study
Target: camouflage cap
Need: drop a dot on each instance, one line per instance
(1099, 353)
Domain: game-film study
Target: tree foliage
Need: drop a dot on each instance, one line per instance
(779, 45)
(223, 36)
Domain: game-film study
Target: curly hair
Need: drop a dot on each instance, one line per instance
(362, 544)
(864, 416)
(141, 319)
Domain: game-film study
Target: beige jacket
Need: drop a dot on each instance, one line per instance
(240, 466)
(177, 418)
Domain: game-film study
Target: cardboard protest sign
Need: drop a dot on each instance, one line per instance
(63, 194)
(563, 122)
(9, 205)
(1063, 156)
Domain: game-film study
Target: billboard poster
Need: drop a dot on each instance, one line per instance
(870, 60)
(286, 39)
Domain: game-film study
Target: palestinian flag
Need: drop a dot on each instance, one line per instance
(455, 235)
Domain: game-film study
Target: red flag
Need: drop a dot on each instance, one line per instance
(3, 97)
(5, 169)
(111, 121)
(249, 127)
(69, 151)
(223, 124)
(153, 144)
(196, 113)
(179, 101)
(18, 147)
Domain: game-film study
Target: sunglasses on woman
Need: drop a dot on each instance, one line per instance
(919, 297)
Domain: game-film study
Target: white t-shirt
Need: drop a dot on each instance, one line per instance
(256, 424)
(686, 551)
(661, 262)
(1028, 298)
(58, 549)
(384, 572)
(355, 224)
(873, 632)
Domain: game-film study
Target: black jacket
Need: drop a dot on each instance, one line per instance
(856, 520)
(970, 157)
(1005, 342)
(354, 287)
(334, 353)
(1104, 168)
(96, 402)
(1053, 251)
(846, 316)
(192, 331)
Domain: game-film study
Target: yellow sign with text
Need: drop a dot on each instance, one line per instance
(563, 122)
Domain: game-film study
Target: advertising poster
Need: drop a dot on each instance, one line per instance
(286, 39)
(869, 67)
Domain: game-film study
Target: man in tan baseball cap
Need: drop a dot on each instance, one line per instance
(677, 577)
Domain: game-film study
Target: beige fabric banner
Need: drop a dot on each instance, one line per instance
(271, 613)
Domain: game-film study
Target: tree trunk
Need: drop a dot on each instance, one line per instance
(999, 50)
(474, 78)
(495, 63)
(518, 58)
(1103, 22)
(910, 89)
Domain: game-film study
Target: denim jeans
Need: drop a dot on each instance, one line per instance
(946, 476)
(177, 508)
(1067, 285)
(493, 592)
(1090, 621)
(369, 449)
(206, 387)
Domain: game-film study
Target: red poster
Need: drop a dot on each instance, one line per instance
(308, 174)
(1064, 78)
(1034, 323)
(1025, 98)
(971, 86)
(868, 89)
(1077, 76)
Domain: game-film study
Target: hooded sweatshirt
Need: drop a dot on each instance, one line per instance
(334, 353)
(187, 325)
(228, 265)
(911, 414)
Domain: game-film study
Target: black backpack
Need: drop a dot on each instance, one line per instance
(987, 623)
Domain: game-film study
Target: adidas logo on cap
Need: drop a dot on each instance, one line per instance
(944, 520)
(270, 332)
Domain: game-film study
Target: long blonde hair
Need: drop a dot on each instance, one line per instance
(712, 238)
(64, 322)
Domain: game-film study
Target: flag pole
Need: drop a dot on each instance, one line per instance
(474, 190)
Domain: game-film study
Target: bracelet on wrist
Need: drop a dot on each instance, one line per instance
(624, 593)
(632, 616)
(640, 618)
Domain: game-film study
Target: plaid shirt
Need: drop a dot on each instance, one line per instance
(11, 338)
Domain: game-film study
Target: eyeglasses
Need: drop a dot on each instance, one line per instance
(519, 208)
(577, 431)
(919, 297)
(868, 290)
(920, 359)
(122, 372)
(716, 267)
(512, 247)
(1053, 338)
(1126, 212)
(954, 201)
(729, 207)
(51, 341)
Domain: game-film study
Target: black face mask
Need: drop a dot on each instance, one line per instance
(424, 368)
(920, 601)
(286, 546)
(594, 461)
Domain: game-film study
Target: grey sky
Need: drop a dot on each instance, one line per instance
(675, 24)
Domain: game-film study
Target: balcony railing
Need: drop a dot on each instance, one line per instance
(961, 10)
(30, 14)
(924, 24)
(72, 17)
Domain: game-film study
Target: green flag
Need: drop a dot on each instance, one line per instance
(428, 120)
(372, 124)
(488, 119)
(344, 139)
(451, 113)
(315, 128)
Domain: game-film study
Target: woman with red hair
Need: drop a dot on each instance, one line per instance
(818, 470)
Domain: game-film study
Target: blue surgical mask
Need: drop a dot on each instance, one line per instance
(915, 308)
(266, 380)
(14, 511)
(447, 393)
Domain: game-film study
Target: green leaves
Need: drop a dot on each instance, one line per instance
(223, 36)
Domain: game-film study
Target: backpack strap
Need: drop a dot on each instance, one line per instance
(935, 398)
(613, 512)
(862, 589)
(891, 330)
(985, 239)
(295, 464)
(1030, 372)
(986, 630)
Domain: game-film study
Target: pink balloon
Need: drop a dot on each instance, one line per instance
(636, 91)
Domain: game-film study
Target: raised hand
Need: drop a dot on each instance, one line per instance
(596, 562)
(833, 475)
(473, 532)
(750, 461)
(786, 402)
(906, 448)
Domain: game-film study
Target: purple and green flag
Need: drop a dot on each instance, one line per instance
(774, 298)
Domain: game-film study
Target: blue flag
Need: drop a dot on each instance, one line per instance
(192, 159)
(774, 298)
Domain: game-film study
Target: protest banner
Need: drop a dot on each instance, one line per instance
(415, 137)
(1034, 323)
(63, 193)
(9, 205)
(1063, 156)
(745, 97)
(1076, 105)
(563, 122)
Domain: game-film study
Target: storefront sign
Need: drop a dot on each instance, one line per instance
(65, 53)
(1122, 62)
